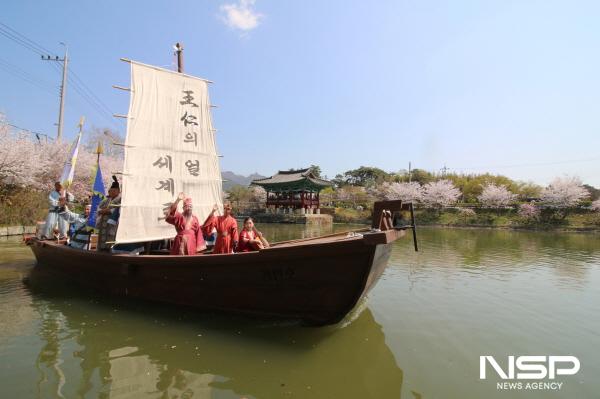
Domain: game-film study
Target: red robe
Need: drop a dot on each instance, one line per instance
(245, 238)
(227, 232)
(189, 238)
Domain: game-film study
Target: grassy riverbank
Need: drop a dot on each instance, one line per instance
(27, 207)
(576, 219)
(22, 207)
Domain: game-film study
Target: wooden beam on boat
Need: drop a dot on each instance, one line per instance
(122, 88)
(122, 144)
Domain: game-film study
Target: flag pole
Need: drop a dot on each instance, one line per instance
(99, 150)
(80, 124)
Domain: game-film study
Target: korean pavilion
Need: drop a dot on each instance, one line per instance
(293, 191)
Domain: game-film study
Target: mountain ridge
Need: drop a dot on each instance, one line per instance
(233, 179)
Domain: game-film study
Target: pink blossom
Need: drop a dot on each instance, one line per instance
(259, 194)
(410, 192)
(529, 211)
(496, 196)
(564, 192)
(26, 162)
(467, 212)
(440, 193)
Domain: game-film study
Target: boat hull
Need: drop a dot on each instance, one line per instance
(318, 282)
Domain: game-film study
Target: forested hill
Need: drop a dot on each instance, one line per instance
(231, 179)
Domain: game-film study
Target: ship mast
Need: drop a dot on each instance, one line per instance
(179, 53)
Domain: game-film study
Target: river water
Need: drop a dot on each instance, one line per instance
(420, 333)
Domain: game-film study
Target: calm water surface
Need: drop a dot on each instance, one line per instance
(418, 335)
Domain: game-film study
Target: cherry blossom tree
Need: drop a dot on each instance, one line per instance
(409, 192)
(440, 193)
(26, 163)
(496, 196)
(354, 194)
(564, 192)
(596, 205)
(259, 194)
(529, 211)
(467, 213)
(23, 162)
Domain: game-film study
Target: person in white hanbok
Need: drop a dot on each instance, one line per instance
(53, 221)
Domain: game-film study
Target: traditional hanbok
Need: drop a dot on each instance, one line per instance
(189, 239)
(107, 224)
(246, 237)
(81, 235)
(53, 220)
(227, 232)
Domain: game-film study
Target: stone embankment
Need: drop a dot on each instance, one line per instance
(16, 230)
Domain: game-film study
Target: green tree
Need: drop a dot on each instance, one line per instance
(421, 176)
(365, 176)
(528, 190)
(239, 194)
(316, 170)
(594, 192)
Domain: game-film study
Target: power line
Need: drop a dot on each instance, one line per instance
(23, 130)
(81, 82)
(13, 70)
(18, 41)
(23, 40)
(78, 84)
(25, 74)
(100, 106)
(548, 163)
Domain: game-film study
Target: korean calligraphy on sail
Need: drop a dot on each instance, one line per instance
(170, 147)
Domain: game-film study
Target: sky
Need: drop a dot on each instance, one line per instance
(508, 87)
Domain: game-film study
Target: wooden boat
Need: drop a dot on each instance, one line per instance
(170, 147)
(317, 280)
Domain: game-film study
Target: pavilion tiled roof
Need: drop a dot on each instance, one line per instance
(294, 180)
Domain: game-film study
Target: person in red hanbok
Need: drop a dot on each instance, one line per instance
(250, 238)
(189, 239)
(227, 231)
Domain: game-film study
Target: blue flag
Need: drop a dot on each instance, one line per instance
(98, 195)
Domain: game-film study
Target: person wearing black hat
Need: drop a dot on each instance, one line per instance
(107, 218)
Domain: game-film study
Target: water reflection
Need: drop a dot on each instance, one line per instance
(132, 349)
(419, 334)
(501, 253)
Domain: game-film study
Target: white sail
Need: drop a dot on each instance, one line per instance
(170, 148)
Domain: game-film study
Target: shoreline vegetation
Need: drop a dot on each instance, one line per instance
(452, 200)
(29, 166)
(577, 220)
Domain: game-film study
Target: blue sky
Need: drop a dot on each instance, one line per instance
(510, 87)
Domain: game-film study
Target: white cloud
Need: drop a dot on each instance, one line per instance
(241, 15)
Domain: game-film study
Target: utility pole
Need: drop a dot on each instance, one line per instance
(63, 88)
(179, 53)
(444, 171)
(409, 172)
